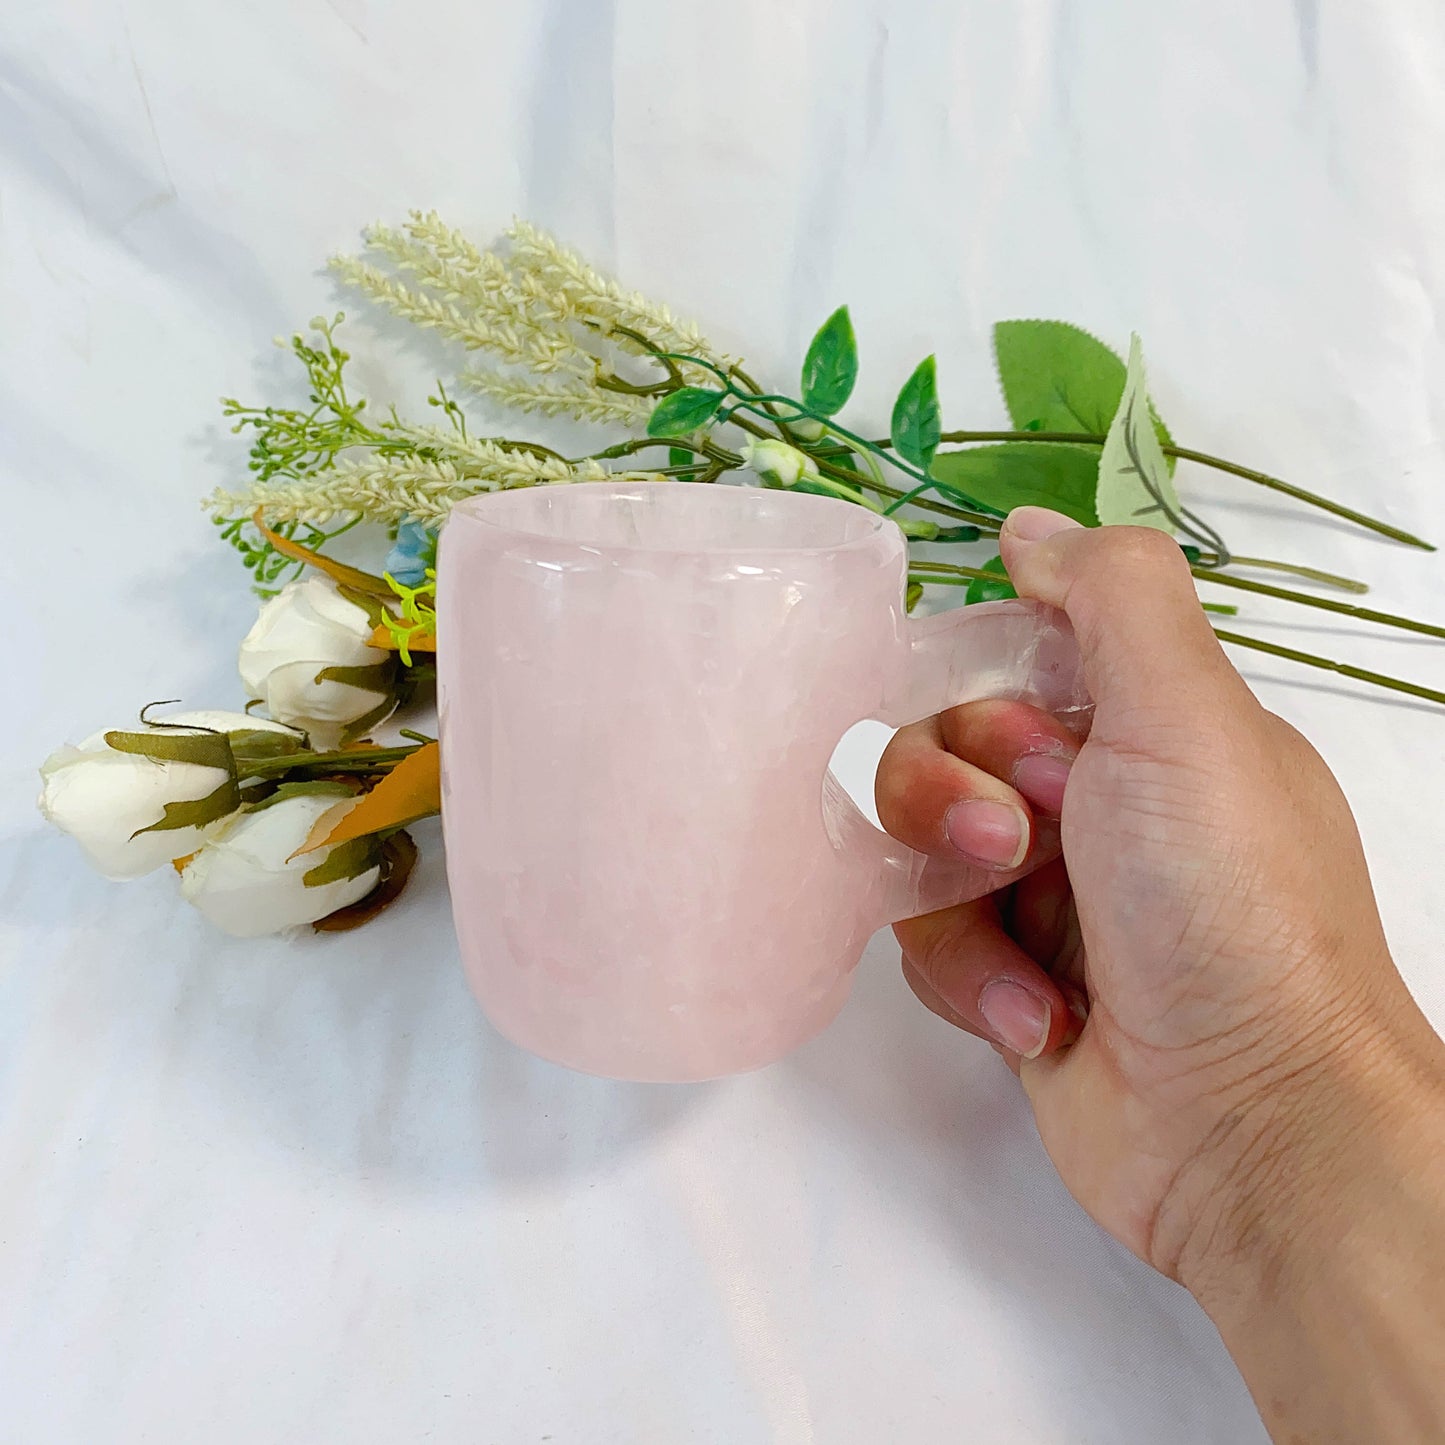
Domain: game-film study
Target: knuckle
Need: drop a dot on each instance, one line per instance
(936, 959)
(1121, 562)
(1141, 549)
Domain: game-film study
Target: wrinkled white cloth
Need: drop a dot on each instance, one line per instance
(297, 1190)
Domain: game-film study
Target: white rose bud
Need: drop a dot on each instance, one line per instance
(246, 881)
(778, 463)
(309, 660)
(111, 800)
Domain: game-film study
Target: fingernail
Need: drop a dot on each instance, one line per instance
(1034, 524)
(993, 833)
(1015, 1017)
(1042, 779)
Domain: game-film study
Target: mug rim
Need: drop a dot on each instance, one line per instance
(490, 509)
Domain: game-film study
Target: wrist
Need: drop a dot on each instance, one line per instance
(1320, 1260)
(1296, 1173)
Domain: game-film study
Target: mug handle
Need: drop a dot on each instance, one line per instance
(1016, 650)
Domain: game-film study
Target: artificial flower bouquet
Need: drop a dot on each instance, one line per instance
(294, 811)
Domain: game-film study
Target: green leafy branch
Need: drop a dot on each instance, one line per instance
(1085, 437)
(1117, 467)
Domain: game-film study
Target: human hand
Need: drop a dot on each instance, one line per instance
(1197, 996)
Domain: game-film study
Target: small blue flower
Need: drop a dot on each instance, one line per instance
(414, 550)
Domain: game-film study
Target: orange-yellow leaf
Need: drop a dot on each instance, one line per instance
(337, 571)
(411, 790)
(417, 642)
(179, 864)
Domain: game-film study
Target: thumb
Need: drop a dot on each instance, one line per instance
(1128, 592)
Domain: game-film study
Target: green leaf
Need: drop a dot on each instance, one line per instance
(681, 457)
(916, 427)
(683, 411)
(346, 860)
(305, 788)
(1025, 474)
(197, 812)
(1058, 377)
(370, 676)
(990, 591)
(830, 368)
(1135, 487)
(359, 727)
(205, 749)
(376, 610)
(398, 858)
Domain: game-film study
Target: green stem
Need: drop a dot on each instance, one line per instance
(924, 579)
(987, 524)
(1325, 604)
(869, 460)
(781, 422)
(709, 449)
(859, 443)
(839, 489)
(751, 427)
(762, 404)
(952, 570)
(1188, 454)
(1312, 574)
(347, 762)
(610, 381)
(1275, 484)
(1394, 684)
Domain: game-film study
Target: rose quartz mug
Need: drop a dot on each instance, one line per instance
(653, 872)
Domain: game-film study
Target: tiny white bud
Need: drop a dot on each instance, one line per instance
(777, 462)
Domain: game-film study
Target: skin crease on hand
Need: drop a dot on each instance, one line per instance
(1224, 1064)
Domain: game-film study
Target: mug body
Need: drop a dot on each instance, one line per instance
(640, 687)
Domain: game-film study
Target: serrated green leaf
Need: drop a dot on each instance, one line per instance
(683, 411)
(1059, 377)
(1135, 487)
(916, 427)
(1026, 474)
(830, 368)
(980, 590)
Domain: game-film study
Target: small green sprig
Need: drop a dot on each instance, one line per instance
(295, 443)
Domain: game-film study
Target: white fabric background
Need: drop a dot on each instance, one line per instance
(297, 1190)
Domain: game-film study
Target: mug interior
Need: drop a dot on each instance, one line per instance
(676, 517)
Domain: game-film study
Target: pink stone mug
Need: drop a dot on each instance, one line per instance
(654, 874)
